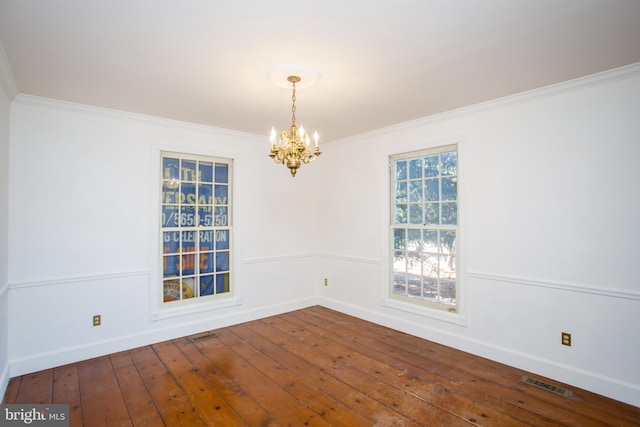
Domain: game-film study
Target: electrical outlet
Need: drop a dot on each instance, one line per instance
(326, 282)
(97, 320)
(566, 339)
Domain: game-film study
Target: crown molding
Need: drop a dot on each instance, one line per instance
(25, 99)
(7, 81)
(580, 83)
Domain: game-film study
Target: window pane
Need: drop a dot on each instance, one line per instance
(188, 216)
(170, 216)
(170, 169)
(401, 192)
(448, 242)
(430, 288)
(222, 193)
(170, 192)
(431, 190)
(171, 291)
(430, 238)
(187, 288)
(414, 263)
(188, 247)
(222, 173)
(399, 284)
(414, 242)
(188, 171)
(449, 213)
(205, 196)
(415, 191)
(415, 214)
(400, 262)
(205, 215)
(188, 193)
(170, 265)
(206, 240)
(222, 239)
(450, 188)
(206, 172)
(432, 214)
(448, 290)
(207, 262)
(449, 163)
(415, 168)
(401, 214)
(448, 267)
(171, 242)
(222, 261)
(222, 283)
(206, 285)
(399, 238)
(401, 170)
(221, 217)
(431, 166)
(430, 266)
(414, 286)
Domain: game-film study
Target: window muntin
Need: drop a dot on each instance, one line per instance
(195, 227)
(424, 227)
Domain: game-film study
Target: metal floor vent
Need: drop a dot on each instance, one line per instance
(546, 386)
(204, 337)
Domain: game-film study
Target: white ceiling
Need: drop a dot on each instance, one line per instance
(381, 62)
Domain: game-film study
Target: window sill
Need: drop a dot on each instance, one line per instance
(421, 310)
(186, 309)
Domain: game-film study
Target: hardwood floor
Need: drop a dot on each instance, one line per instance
(314, 367)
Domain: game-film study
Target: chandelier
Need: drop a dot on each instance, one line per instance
(294, 148)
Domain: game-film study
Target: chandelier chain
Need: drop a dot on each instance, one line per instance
(293, 105)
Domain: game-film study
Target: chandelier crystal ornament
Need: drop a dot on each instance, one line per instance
(294, 148)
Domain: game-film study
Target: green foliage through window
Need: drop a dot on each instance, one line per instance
(424, 227)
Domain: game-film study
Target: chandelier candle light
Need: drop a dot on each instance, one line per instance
(294, 148)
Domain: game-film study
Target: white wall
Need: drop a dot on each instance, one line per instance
(4, 225)
(549, 215)
(83, 220)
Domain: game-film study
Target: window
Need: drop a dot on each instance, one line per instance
(424, 227)
(195, 227)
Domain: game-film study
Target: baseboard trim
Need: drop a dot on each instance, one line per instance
(611, 387)
(4, 381)
(5, 368)
(74, 354)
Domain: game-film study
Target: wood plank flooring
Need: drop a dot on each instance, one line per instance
(311, 367)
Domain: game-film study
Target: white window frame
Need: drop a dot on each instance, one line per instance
(159, 308)
(415, 305)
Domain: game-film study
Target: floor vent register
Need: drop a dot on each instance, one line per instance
(203, 337)
(546, 386)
